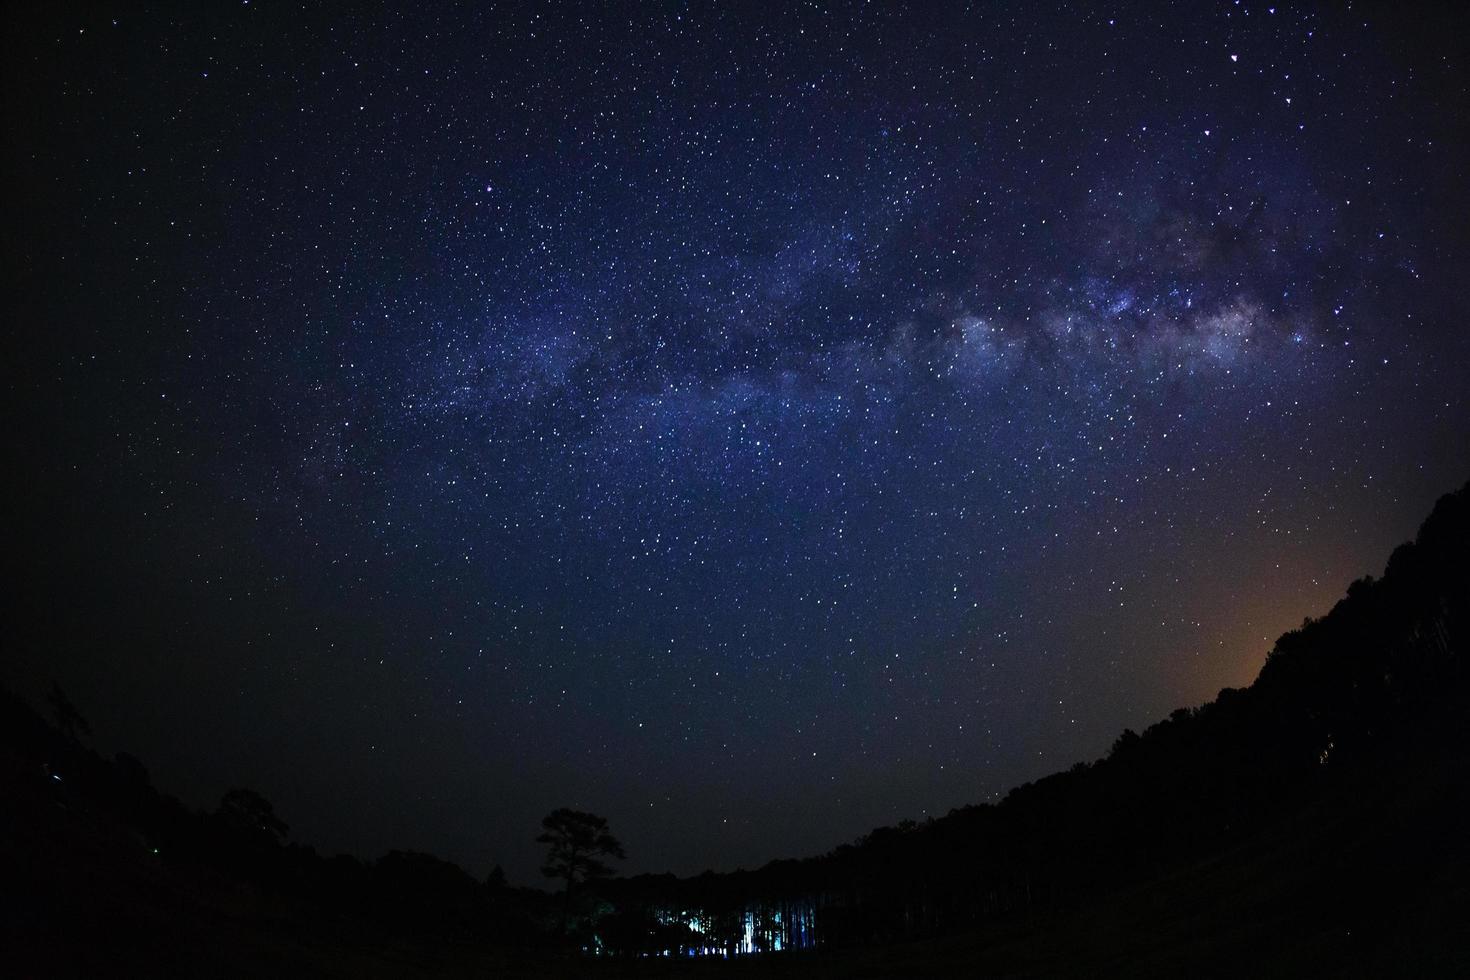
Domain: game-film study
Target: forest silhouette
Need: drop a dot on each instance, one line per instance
(1311, 823)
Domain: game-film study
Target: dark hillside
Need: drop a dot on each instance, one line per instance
(1354, 734)
(1312, 823)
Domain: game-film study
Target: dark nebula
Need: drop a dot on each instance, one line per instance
(750, 424)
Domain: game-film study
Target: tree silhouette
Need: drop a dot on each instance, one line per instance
(251, 814)
(68, 719)
(576, 844)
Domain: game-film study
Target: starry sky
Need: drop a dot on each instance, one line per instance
(751, 423)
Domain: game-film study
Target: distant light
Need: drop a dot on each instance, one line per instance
(56, 777)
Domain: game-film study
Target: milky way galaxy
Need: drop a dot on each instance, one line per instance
(753, 426)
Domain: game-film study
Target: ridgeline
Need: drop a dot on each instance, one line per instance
(1312, 823)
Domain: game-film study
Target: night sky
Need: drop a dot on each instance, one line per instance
(753, 426)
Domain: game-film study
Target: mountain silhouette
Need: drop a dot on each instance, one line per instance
(1309, 824)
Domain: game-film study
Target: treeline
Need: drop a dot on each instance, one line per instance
(1350, 713)
(93, 848)
(1354, 732)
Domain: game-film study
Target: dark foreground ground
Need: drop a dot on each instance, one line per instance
(1377, 889)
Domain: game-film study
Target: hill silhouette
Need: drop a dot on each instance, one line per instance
(1345, 761)
(1311, 823)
